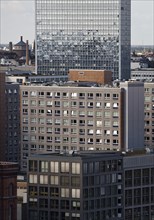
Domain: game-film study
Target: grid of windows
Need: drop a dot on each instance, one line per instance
(85, 35)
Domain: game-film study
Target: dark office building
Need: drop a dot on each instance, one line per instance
(2, 117)
(72, 187)
(8, 191)
(138, 187)
(91, 186)
(13, 122)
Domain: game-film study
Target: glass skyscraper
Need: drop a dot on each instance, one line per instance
(83, 34)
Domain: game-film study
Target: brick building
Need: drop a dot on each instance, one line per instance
(8, 191)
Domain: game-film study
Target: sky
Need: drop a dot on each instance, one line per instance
(17, 17)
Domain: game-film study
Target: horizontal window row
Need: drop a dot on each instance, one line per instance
(58, 121)
(70, 95)
(54, 167)
(71, 104)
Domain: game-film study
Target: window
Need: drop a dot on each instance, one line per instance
(57, 112)
(115, 133)
(64, 180)
(98, 132)
(90, 131)
(73, 122)
(75, 193)
(57, 121)
(33, 103)
(54, 180)
(115, 114)
(73, 112)
(64, 167)
(65, 205)
(73, 104)
(81, 113)
(54, 167)
(115, 142)
(66, 104)
(65, 131)
(107, 105)
(33, 111)
(98, 114)
(107, 132)
(43, 179)
(43, 191)
(75, 181)
(49, 120)
(98, 123)
(73, 131)
(81, 104)
(41, 120)
(73, 140)
(107, 114)
(75, 168)
(25, 120)
(33, 93)
(41, 103)
(57, 94)
(49, 94)
(115, 124)
(106, 141)
(24, 93)
(81, 95)
(54, 192)
(25, 129)
(65, 94)
(64, 192)
(25, 137)
(32, 165)
(98, 104)
(81, 122)
(49, 112)
(33, 120)
(32, 178)
(107, 95)
(43, 166)
(98, 95)
(49, 103)
(90, 95)
(90, 104)
(115, 96)
(73, 94)
(115, 105)
(98, 141)
(90, 113)
(41, 138)
(25, 111)
(65, 122)
(90, 141)
(41, 93)
(41, 129)
(90, 122)
(65, 113)
(57, 130)
(65, 139)
(57, 104)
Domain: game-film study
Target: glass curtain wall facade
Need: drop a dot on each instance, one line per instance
(83, 34)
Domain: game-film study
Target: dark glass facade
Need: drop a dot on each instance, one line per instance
(83, 34)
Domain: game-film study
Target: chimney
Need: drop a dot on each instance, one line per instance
(21, 38)
(10, 46)
(27, 53)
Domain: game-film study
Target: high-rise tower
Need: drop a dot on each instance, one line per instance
(83, 34)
